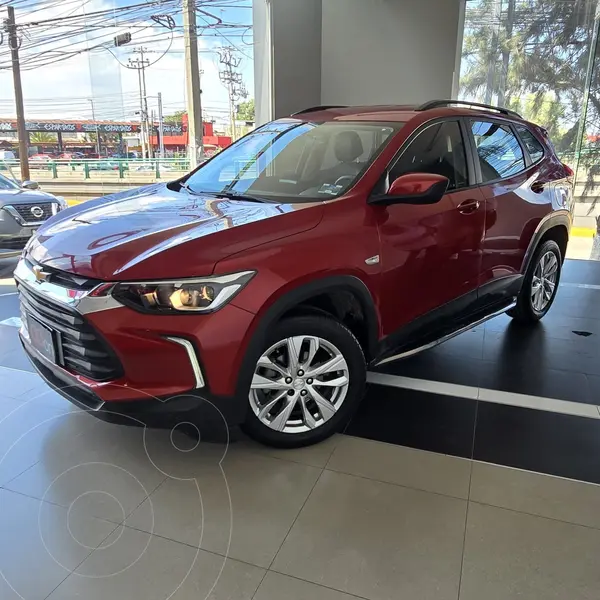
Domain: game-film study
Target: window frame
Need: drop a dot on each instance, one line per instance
(524, 145)
(384, 180)
(526, 158)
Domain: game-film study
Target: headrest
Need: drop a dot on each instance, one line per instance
(348, 146)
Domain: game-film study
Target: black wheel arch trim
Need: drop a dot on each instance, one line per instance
(555, 219)
(295, 297)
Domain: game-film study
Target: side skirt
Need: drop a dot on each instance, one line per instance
(431, 344)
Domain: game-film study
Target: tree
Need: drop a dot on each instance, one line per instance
(545, 47)
(43, 137)
(533, 56)
(246, 111)
(176, 117)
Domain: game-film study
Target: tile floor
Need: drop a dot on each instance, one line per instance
(95, 511)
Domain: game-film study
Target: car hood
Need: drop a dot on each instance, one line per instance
(21, 196)
(157, 233)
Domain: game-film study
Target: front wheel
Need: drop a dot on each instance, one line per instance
(306, 383)
(540, 284)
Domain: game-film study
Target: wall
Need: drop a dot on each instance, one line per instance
(311, 52)
(287, 56)
(296, 36)
(388, 51)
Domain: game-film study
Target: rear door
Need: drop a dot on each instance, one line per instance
(514, 199)
(430, 254)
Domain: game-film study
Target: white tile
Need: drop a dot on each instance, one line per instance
(403, 466)
(514, 556)
(376, 540)
(534, 493)
(41, 544)
(135, 565)
(242, 508)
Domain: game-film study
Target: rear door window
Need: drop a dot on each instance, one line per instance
(535, 149)
(499, 151)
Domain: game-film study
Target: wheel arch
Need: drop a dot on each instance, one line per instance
(317, 297)
(555, 226)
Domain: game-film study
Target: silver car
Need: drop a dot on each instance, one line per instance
(23, 208)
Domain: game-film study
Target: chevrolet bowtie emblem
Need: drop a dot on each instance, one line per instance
(40, 274)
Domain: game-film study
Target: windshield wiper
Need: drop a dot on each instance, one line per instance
(227, 195)
(187, 188)
(237, 196)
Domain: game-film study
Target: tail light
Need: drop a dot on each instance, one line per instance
(568, 170)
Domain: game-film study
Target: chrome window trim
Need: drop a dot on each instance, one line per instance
(191, 352)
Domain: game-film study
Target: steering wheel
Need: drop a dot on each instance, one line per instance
(342, 178)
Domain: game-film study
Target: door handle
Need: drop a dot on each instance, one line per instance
(468, 206)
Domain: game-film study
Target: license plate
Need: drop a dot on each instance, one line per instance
(42, 338)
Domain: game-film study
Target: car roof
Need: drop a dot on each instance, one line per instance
(401, 113)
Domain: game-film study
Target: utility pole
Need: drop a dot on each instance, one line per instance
(91, 100)
(232, 80)
(503, 96)
(14, 44)
(192, 83)
(492, 59)
(140, 64)
(152, 121)
(161, 128)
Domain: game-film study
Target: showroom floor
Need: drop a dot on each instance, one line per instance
(469, 472)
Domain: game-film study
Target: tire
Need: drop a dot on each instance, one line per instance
(526, 311)
(309, 422)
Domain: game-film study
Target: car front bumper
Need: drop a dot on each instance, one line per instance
(165, 367)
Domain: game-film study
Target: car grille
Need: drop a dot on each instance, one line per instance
(64, 279)
(80, 348)
(13, 243)
(25, 213)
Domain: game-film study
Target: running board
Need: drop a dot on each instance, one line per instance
(444, 338)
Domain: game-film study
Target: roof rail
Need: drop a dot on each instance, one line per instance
(316, 108)
(441, 103)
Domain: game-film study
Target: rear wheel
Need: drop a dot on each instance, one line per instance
(306, 384)
(540, 284)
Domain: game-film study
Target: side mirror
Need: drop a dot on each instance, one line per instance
(414, 188)
(30, 185)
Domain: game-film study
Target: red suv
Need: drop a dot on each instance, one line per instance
(260, 287)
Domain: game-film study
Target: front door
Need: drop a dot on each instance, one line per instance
(431, 254)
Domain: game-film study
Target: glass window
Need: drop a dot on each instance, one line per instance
(500, 154)
(535, 149)
(289, 159)
(438, 149)
(7, 184)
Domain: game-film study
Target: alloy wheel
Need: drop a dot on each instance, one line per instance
(299, 383)
(543, 284)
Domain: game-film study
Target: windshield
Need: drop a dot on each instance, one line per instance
(7, 184)
(289, 159)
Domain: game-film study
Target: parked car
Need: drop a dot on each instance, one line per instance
(103, 165)
(23, 208)
(40, 161)
(266, 282)
(7, 155)
(71, 156)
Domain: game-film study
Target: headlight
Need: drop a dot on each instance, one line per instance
(205, 294)
(62, 203)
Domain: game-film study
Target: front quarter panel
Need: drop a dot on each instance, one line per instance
(335, 250)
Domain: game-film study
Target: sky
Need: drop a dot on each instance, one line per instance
(63, 89)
